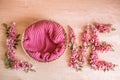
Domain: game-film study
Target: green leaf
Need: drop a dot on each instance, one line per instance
(7, 33)
(18, 36)
(113, 29)
(104, 42)
(26, 70)
(8, 28)
(16, 44)
(32, 70)
(70, 45)
(5, 25)
(8, 62)
(17, 40)
(15, 47)
(112, 49)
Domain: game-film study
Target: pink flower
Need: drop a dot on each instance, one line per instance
(12, 31)
(85, 35)
(104, 47)
(11, 55)
(20, 65)
(103, 27)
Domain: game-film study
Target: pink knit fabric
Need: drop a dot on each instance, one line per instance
(44, 40)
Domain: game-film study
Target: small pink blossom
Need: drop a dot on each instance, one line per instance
(103, 27)
(20, 65)
(11, 55)
(104, 47)
(85, 35)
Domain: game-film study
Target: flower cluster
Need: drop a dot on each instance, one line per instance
(12, 42)
(97, 46)
(100, 64)
(89, 39)
(103, 47)
(103, 27)
(22, 65)
(78, 55)
(74, 59)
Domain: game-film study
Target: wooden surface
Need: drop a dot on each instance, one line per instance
(75, 13)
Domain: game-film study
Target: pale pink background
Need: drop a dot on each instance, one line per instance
(76, 13)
